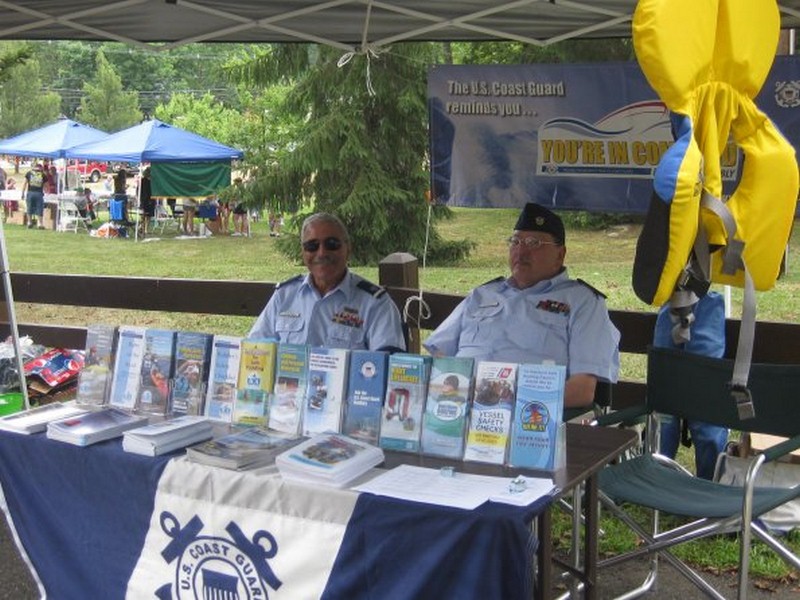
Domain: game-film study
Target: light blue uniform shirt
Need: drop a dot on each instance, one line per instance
(356, 314)
(558, 319)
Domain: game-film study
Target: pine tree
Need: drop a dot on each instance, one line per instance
(361, 148)
(106, 105)
(23, 104)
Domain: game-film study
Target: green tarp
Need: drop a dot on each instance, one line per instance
(194, 179)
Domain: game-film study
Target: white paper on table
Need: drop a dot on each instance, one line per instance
(461, 490)
(535, 488)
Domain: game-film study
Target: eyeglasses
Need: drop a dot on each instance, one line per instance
(531, 243)
(330, 243)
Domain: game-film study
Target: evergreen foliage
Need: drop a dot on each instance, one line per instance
(360, 149)
(23, 105)
(106, 105)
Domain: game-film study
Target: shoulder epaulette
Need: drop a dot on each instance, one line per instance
(290, 280)
(496, 279)
(373, 290)
(594, 289)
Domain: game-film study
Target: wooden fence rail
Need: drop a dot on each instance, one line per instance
(774, 342)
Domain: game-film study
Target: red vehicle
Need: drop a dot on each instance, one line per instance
(93, 171)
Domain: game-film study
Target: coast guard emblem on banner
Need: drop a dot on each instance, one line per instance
(217, 567)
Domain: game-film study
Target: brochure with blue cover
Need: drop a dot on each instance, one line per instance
(366, 388)
(536, 432)
(406, 389)
(156, 373)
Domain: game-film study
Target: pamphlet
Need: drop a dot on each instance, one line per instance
(127, 367)
(156, 374)
(191, 364)
(490, 420)
(92, 427)
(406, 389)
(447, 406)
(36, 419)
(94, 380)
(222, 378)
(536, 434)
(366, 387)
(325, 390)
(291, 373)
(328, 459)
(247, 448)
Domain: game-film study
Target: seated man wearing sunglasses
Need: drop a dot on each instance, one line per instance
(330, 306)
(537, 314)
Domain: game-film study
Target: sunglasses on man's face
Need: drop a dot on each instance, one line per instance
(330, 243)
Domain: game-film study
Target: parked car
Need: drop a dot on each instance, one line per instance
(93, 171)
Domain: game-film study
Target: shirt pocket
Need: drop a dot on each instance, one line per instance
(544, 332)
(342, 336)
(481, 321)
(286, 327)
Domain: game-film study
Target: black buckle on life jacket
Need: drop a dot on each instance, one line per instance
(691, 281)
(744, 400)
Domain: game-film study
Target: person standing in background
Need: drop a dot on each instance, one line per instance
(146, 203)
(33, 192)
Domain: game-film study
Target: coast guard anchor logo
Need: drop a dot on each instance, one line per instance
(787, 93)
(233, 568)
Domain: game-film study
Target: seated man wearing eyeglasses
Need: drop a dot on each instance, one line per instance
(330, 306)
(537, 314)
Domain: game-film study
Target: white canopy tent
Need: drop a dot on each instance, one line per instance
(351, 25)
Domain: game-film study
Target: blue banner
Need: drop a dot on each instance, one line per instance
(580, 137)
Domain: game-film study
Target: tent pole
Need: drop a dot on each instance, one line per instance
(138, 204)
(12, 315)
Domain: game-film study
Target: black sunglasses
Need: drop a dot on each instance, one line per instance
(329, 243)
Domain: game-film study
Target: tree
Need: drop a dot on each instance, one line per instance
(11, 55)
(203, 116)
(357, 154)
(106, 105)
(510, 53)
(23, 105)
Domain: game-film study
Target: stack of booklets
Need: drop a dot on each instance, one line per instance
(248, 448)
(167, 435)
(36, 419)
(93, 427)
(330, 459)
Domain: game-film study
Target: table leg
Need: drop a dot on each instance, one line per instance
(592, 513)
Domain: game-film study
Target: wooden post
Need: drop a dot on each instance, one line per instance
(401, 269)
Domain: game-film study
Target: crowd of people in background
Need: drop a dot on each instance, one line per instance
(224, 215)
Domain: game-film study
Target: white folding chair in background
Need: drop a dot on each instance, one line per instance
(69, 217)
(164, 219)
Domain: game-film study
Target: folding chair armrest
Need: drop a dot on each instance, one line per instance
(782, 449)
(627, 417)
(670, 463)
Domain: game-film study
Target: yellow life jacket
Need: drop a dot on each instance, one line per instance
(707, 61)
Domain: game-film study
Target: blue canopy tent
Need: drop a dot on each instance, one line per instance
(155, 142)
(51, 141)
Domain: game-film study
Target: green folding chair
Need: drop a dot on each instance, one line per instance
(697, 387)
